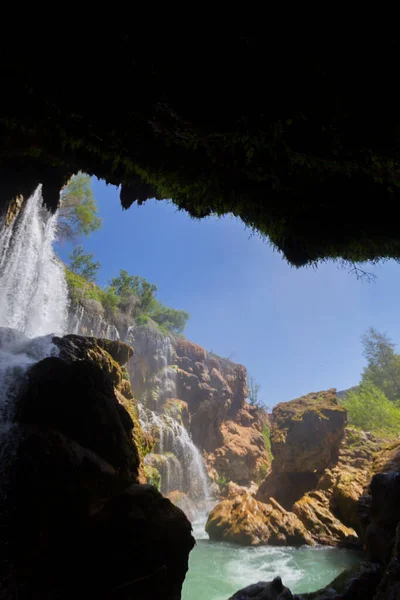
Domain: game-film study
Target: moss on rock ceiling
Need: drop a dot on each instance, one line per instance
(298, 135)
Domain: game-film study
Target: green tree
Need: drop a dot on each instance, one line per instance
(253, 390)
(383, 369)
(369, 409)
(170, 318)
(109, 299)
(82, 264)
(78, 209)
(136, 294)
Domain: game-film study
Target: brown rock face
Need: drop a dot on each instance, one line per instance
(344, 483)
(305, 440)
(74, 520)
(320, 468)
(307, 433)
(314, 512)
(241, 456)
(245, 521)
(210, 394)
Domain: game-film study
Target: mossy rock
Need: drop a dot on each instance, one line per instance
(153, 476)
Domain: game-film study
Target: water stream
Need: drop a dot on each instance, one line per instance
(218, 569)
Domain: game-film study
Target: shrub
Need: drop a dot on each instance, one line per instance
(369, 409)
(267, 440)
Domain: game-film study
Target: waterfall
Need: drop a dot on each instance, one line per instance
(32, 283)
(33, 300)
(175, 456)
(87, 320)
(153, 377)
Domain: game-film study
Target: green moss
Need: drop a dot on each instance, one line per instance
(125, 374)
(153, 476)
(221, 480)
(266, 431)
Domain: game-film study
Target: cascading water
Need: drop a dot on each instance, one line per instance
(89, 321)
(176, 456)
(33, 300)
(32, 283)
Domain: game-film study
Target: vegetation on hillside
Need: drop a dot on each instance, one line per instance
(369, 409)
(383, 368)
(137, 302)
(374, 405)
(131, 295)
(82, 263)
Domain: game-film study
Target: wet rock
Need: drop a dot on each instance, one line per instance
(243, 520)
(264, 590)
(313, 510)
(178, 410)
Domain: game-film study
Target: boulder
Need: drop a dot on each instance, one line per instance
(313, 510)
(307, 433)
(245, 521)
(306, 436)
(264, 590)
(71, 395)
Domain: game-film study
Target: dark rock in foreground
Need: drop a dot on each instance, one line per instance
(264, 590)
(75, 521)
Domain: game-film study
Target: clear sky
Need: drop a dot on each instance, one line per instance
(296, 331)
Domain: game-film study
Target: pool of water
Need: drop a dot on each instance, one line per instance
(217, 570)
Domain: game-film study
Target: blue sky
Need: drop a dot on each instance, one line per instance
(296, 331)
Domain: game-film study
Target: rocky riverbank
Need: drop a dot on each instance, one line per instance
(355, 498)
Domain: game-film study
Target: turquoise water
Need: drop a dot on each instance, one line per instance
(217, 570)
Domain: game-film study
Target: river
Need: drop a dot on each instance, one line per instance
(218, 569)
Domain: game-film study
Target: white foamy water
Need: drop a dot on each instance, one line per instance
(217, 569)
(34, 295)
(180, 463)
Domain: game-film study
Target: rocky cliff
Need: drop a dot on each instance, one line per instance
(76, 520)
(173, 377)
(319, 472)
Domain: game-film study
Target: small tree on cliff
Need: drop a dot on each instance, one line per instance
(82, 264)
(383, 369)
(136, 294)
(78, 209)
(253, 390)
